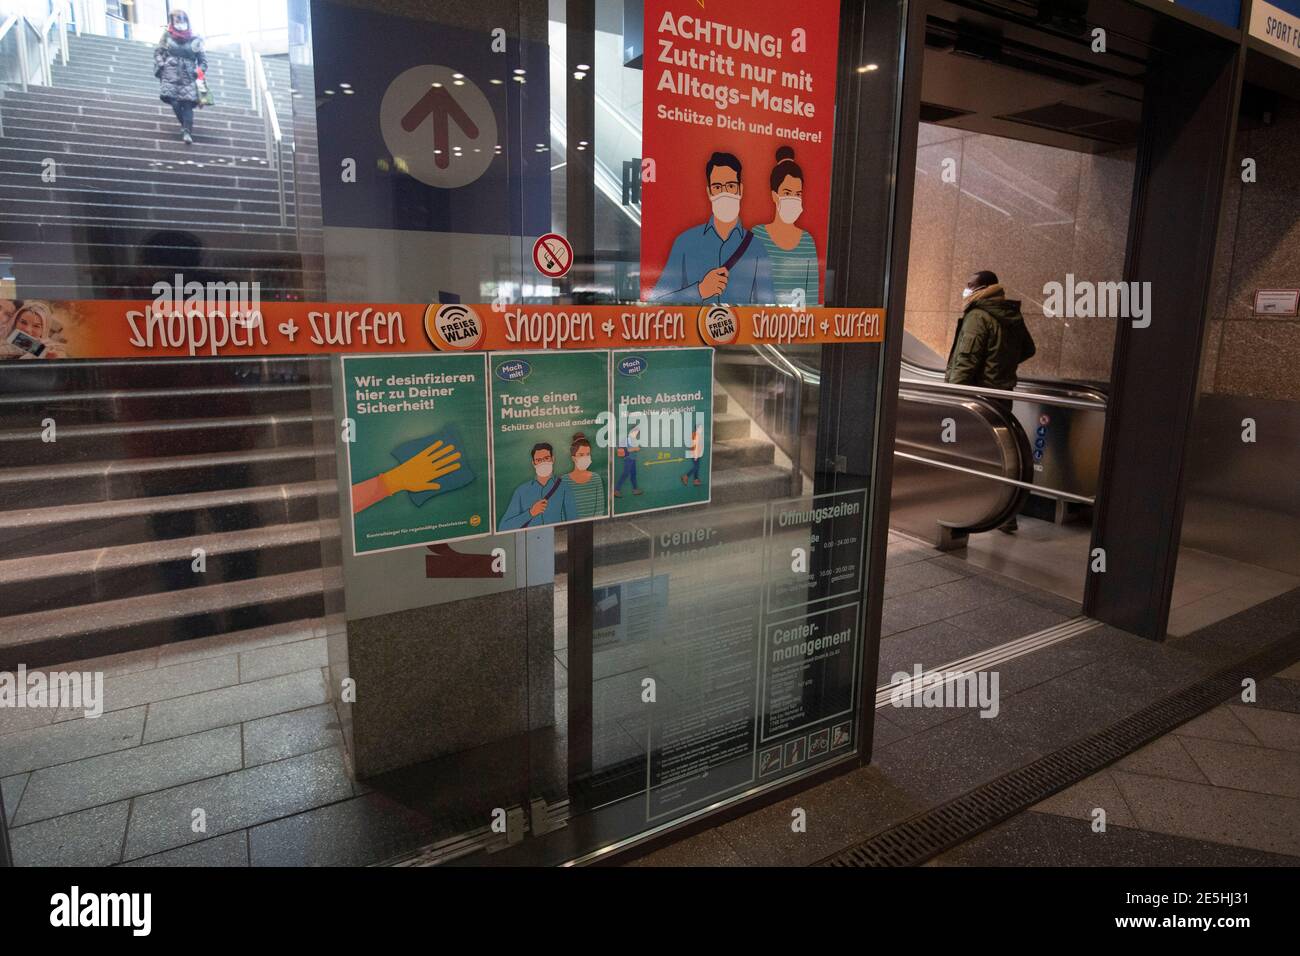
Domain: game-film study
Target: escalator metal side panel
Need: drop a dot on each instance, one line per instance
(932, 503)
(1064, 443)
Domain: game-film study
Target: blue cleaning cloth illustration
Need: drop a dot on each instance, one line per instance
(457, 479)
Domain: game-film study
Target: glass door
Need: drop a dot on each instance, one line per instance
(284, 631)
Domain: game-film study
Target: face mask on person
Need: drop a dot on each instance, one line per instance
(966, 293)
(543, 469)
(181, 23)
(583, 462)
(726, 207)
(789, 208)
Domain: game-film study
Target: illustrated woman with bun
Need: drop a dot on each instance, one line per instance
(791, 250)
(588, 486)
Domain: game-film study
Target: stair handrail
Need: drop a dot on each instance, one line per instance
(56, 18)
(10, 22)
(274, 137)
(246, 54)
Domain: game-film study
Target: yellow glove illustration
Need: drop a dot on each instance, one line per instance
(422, 471)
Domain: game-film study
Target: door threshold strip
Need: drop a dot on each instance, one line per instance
(931, 832)
(982, 660)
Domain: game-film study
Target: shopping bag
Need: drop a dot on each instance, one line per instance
(205, 94)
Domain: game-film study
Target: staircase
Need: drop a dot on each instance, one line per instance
(153, 460)
(133, 204)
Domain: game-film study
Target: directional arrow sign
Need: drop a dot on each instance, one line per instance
(439, 126)
(442, 106)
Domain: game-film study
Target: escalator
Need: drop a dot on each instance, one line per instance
(1040, 457)
(963, 463)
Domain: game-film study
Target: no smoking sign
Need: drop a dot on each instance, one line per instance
(552, 255)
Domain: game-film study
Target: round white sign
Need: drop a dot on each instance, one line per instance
(439, 126)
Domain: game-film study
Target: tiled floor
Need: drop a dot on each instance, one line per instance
(227, 749)
(201, 746)
(238, 732)
(1048, 556)
(1164, 805)
(1221, 790)
(939, 608)
(1209, 588)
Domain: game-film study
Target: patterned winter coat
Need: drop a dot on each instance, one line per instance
(176, 64)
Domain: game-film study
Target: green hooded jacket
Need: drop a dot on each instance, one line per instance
(991, 341)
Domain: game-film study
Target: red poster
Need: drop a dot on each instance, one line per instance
(739, 105)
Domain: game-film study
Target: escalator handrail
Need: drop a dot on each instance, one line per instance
(918, 372)
(1062, 401)
(1043, 490)
(773, 356)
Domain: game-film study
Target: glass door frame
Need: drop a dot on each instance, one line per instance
(873, 168)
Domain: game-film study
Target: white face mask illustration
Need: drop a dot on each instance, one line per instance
(583, 462)
(543, 469)
(789, 208)
(726, 207)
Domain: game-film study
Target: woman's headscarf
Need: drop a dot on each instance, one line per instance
(41, 311)
(181, 35)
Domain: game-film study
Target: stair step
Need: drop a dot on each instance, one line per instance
(243, 201)
(178, 218)
(165, 152)
(100, 87)
(149, 184)
(143, 405)
(128, 375)
(280, 275)
(752, 483)
(730, 425)
(308, 290)
(741, 452)
(175, 152)
(19, 236)
(247, 142)
(103, 481)
(125, 624)
(30, 107)
(174, 437)
(58, 529)
(223, 171)
(75, 578)
(67, 103)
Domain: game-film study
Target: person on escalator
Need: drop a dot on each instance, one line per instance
(990, 342)
(179, 63)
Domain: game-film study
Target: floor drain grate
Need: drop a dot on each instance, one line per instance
(930, 833)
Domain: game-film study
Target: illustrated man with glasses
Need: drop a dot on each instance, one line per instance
(718, 261)
(543, 499)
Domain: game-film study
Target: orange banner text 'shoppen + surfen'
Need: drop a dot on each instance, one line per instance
(94, 329)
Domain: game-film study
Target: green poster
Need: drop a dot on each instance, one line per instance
(549, 465)
(418, 461)
(663, 404)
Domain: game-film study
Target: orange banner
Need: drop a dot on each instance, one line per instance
(90, 329)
